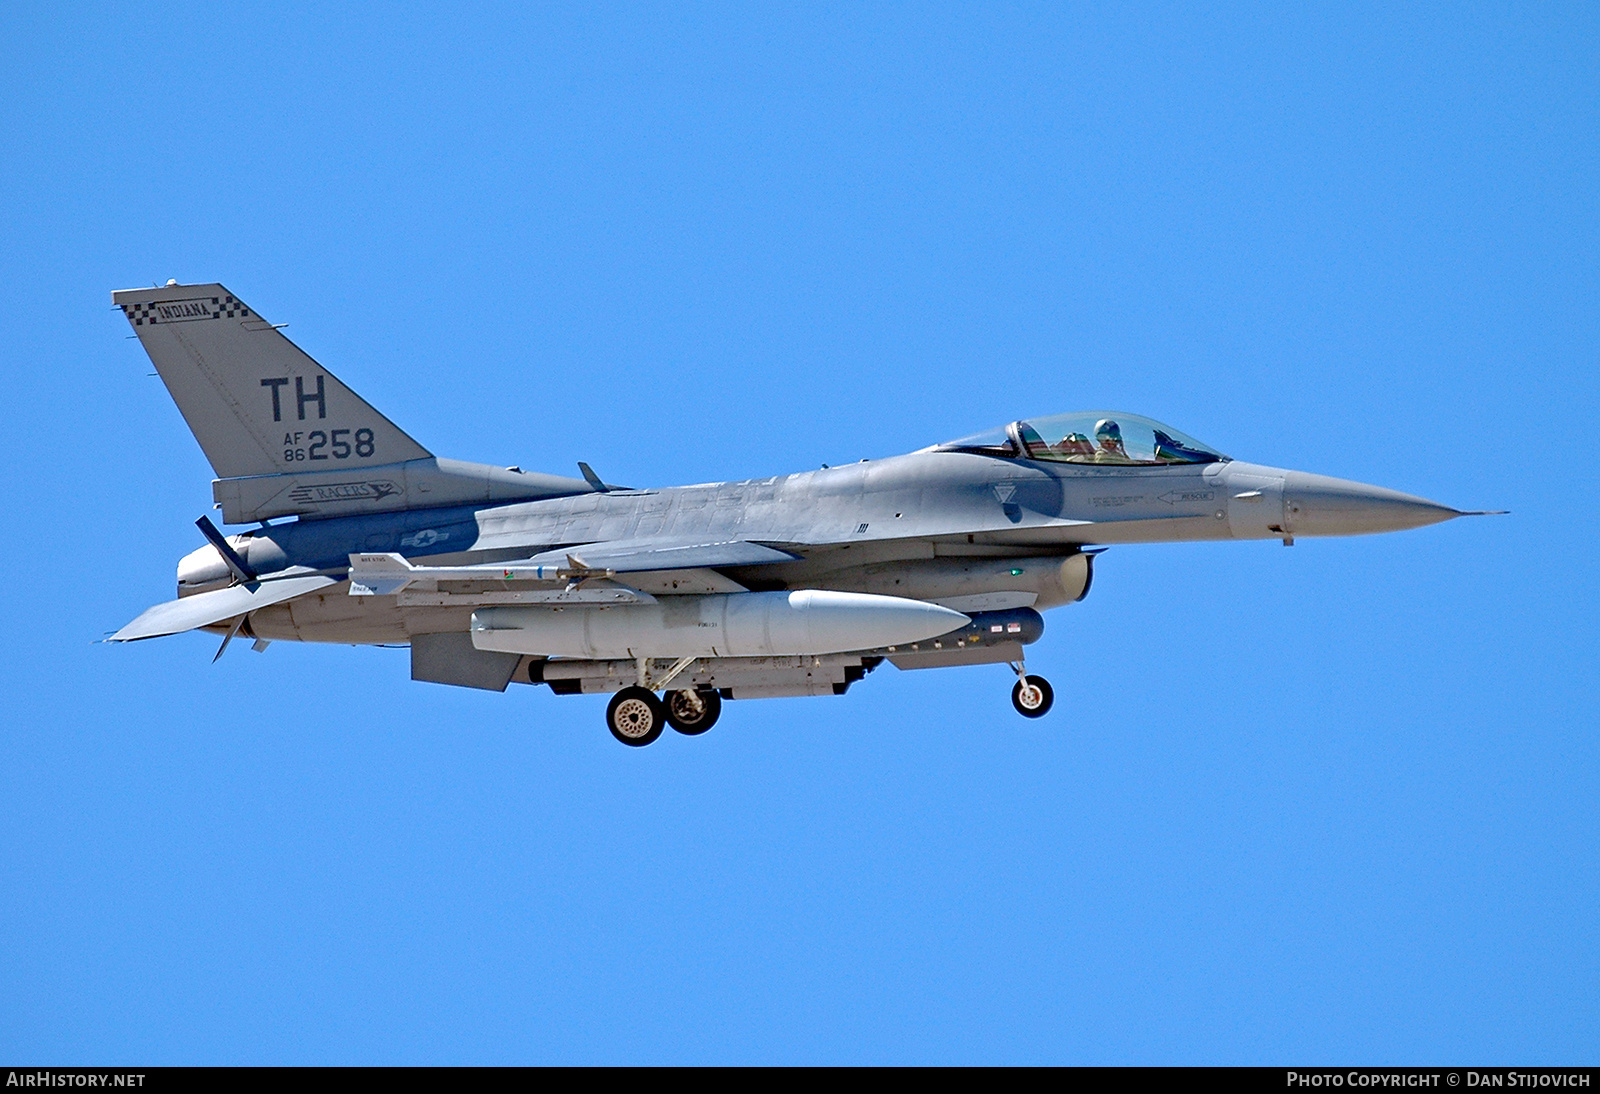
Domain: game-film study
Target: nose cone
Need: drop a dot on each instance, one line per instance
(1316, 505)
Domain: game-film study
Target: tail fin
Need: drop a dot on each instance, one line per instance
(257, 404)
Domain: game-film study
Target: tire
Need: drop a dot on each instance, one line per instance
(693, 712)
(635, 717)
(1038, 703)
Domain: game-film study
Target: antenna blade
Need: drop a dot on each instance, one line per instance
(592, 479)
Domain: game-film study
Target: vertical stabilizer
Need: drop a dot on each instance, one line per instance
(257, 404)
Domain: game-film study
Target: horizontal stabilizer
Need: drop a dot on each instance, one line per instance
(622, 557)
(203, 609)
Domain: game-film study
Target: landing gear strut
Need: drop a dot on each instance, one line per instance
(693, 712)
(1032, 696)
(636, 717)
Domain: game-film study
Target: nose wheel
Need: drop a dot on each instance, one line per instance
(693, 712)
(1032, 695)
(636, 717)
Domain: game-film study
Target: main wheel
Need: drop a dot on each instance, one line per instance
(1035, 699)
(635, 717)
(693, 712)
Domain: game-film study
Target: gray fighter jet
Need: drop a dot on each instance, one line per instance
(795, 585)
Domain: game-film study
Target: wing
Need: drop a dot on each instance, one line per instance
(638, 556)
(203, 609)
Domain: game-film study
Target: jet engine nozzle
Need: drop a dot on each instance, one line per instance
(202, 569)
(1317, 505)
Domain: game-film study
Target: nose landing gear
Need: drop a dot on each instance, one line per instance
(1032, 695)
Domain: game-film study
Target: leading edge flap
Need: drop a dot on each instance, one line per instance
(642, 556)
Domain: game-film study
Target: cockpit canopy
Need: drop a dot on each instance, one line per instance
(1103, 437)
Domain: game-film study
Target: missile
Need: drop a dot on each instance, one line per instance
(806, 621)
(386, 573)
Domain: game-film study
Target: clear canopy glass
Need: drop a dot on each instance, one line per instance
(1103, 437)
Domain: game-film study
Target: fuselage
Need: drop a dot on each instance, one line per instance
(957, 527)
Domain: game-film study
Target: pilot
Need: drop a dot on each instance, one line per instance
(1109, 435)
(1076, 446)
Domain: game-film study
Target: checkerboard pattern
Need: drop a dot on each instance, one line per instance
(221, 307)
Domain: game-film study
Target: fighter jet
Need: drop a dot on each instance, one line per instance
(673, 599)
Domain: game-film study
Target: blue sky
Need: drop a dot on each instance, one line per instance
(1330, 803)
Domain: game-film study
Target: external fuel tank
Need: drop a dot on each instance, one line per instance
(806, 621)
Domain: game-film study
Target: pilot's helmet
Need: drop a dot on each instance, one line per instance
(1106, 429)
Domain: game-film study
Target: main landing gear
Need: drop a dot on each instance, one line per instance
(1032, 695)
(636, 717)
(693, 712)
